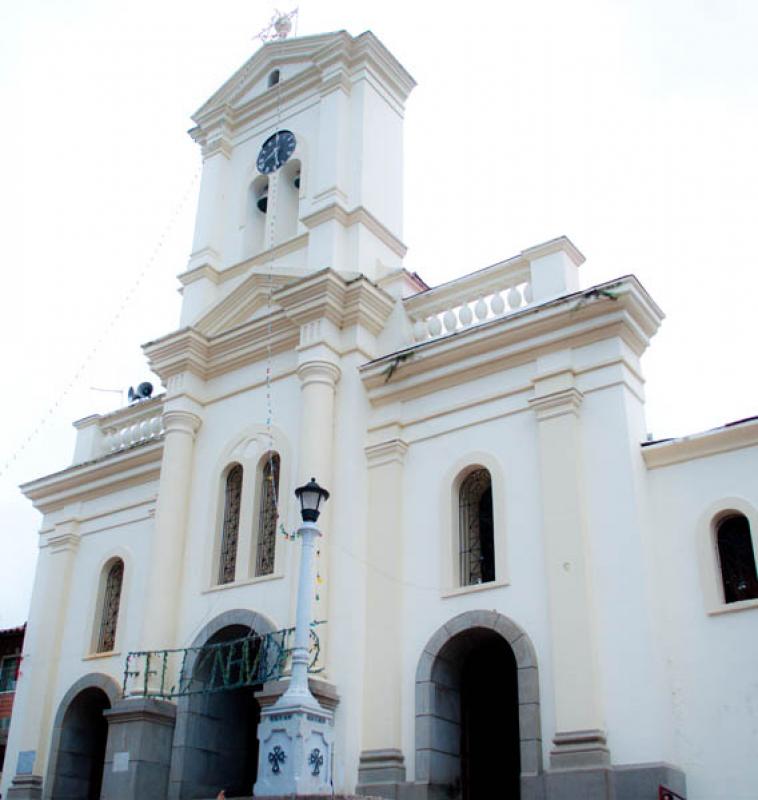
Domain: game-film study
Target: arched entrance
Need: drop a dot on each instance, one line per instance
(477, 714)
(216, 741)
(80, 735)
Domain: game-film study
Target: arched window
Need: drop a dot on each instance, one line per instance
(736, 558)
(231, 524)
(106, 640)
(273, 78)
(268, 514)
(476, 543)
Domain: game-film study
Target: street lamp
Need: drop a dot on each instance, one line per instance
(296, 733)
(311, 496)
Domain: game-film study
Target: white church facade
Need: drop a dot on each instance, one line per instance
(517, 594)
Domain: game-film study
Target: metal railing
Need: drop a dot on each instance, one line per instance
(221, 666)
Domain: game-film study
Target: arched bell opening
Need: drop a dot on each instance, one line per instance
(288, 200)
(216, 737)
(256, 215)
(80, 751)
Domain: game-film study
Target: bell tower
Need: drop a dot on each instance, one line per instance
(302, 166)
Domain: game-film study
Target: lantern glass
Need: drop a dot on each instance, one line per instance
(311, 496)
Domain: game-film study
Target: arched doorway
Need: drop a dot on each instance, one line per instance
(81, 747)
(477, 715)
(216, 736)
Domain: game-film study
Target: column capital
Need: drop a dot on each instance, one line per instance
(318, 371)
(391, 451)
(65, 538)
(557, 404)
(181, 421)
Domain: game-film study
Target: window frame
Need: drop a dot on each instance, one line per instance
(106, 565)
(452, 481)
(708, 554)
(10, 657)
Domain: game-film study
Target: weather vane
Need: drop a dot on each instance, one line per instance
(280, 26)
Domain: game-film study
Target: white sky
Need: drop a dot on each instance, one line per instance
(629, 125)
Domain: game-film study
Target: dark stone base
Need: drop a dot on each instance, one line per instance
(25, 787)
(626, 782)
(380, 773)
(142, 730)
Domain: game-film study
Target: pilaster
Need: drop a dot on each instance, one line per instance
(35, 692)
(167, 552)
(382, 765)
(579, 739)
(319, 373)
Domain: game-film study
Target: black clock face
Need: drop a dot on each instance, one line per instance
(276, 151)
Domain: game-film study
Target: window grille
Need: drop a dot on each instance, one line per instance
(9, 673)
(737, 559)
(268, 516)
(230, 533)
(111, 600)
(475, 525)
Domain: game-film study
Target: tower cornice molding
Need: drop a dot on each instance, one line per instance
(337, 61)
(359, 215)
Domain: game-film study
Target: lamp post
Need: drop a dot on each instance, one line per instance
(311, 496)
(295, 733)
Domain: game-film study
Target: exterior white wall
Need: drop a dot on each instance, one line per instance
(709, 657)
(116, 525)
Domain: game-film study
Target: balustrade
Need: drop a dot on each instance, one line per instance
(464, 312)
(131, 426)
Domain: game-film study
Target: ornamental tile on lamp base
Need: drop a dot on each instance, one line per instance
(295, 750)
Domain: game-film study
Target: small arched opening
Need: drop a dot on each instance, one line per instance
(80, 752)
(736, 556)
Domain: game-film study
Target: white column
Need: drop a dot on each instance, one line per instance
(318, 380)
(381, 765)
(35, 693)
(164, 582)
(579, 738)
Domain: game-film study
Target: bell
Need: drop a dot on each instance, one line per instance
(262, 201)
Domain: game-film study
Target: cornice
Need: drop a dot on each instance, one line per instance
(557, 404)
(336, 60)
(389, 452)
(700, 445)
(618, 308)
(358, 215)
(241, 267)
(321, 295)
(138, 465)
(189, 350)
(327, 295)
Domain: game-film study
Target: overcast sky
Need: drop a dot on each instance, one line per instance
(629, 125)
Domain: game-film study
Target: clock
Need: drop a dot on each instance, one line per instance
(276, 151)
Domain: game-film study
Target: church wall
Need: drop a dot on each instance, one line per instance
(710, 657)
(505, 443)
(65, 614)
(630, 675)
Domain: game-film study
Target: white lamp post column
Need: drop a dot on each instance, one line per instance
(296, 734)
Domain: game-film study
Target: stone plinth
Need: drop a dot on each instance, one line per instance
(138, 756)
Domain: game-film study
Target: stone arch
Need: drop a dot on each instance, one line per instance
(189, 756)
(94, 680)
(440, 655)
